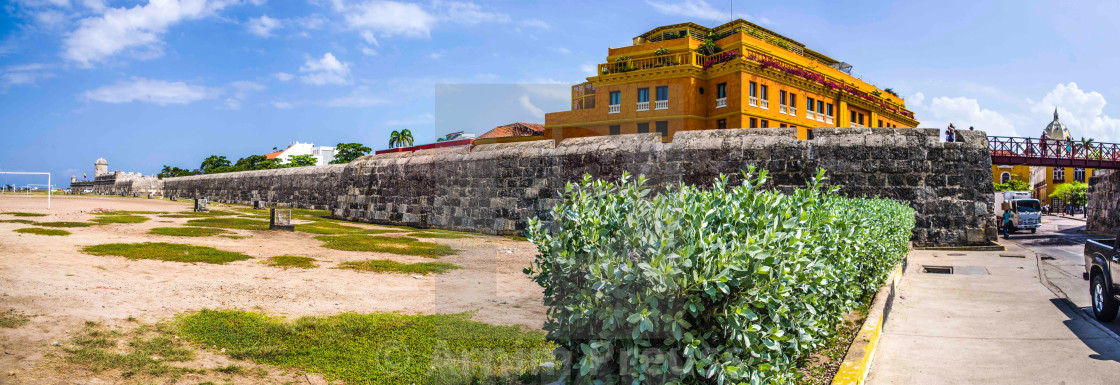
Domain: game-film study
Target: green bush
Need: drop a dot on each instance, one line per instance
(719, 285)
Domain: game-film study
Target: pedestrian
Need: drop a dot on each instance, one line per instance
(971, 129)
(950, 133)
(1006, 223)
(1043, 141)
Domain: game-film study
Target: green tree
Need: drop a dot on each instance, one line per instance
(347, 152)
(394, 139)
(171, 172)
(1075, 193)
(1013, 185)
(406, 138)
(301, 160)
(213, 162)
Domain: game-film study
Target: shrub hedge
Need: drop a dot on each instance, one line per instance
(719, 285)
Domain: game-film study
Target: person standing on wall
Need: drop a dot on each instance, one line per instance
(949, 134)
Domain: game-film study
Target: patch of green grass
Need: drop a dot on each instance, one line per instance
(384, 266)
(230, 223)
(12, 319)
(64, 224)
(330, 228)
(288, 261)
(23, 221)
(128, 212)
(186, 231)
(233, 236)
(41, 231)
(394, 245)
(378, 348)
(161, 251)
(438, 234)
(21, 214)
(517, 238)
(148, 351)
(205, 214)
(107, 219)
(230, 369)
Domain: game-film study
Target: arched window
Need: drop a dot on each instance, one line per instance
(1005, 177)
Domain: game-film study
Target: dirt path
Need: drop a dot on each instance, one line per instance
(49, 278)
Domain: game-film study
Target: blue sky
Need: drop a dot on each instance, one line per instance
(145, 84)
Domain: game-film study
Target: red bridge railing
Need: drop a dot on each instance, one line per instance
(1051, 152)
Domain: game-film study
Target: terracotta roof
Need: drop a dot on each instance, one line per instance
(514, 130)
(273, 155)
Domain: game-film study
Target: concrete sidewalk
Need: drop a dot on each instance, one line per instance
(1001, 326)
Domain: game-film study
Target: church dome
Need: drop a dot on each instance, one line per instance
(1056, 130)
(101, 161)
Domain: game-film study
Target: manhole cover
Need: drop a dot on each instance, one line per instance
(1012, 256)
(937, 269)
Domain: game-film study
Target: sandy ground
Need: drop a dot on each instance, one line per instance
(49, 278)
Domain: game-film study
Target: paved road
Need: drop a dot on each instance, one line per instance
(996, 320)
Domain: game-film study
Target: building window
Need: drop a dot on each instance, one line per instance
(721, 90)
(1005, 177)
(853, 117)
(616, 100)
(663, 93)
(616, 129)
(782, 97)
(820, 107)
(662, 127)
(811, 105)
(793, 104)
(764, 97)
(765, 123)
(1079, 174)
(1059, 174)
(754, 123)
(721, 124)
(643, 95)
(809, 134)
(643, 128)
(828, 109)
(880, 122)
(861, 119)
(754, 90)
(781, 125)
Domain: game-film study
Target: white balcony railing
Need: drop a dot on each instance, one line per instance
(614, 108)
(721, 102)
(828, 119)
(783, 109)
(661, 104)
(643, 106)
(753, 102)
(811, 115)
(765, 104)
(820, 117)
(793, 111)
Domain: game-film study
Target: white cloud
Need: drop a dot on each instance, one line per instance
(283, 105)
(535, 23)
(422, 119)
(562, 50)
(283, 76)
(469, 13)
(150, 91)
(233, 104)
(435, 55)
(139, 29)
(367, 50)
(696, 9)
(311, 22)
(96, 6)
(1082, 112)
(963, 112)
(369, 38)
(327, 70)
(24, 74)
(263, 26)
(588, 69)
(360, 97)
(244, 87)
(527, 104)
(388, 18)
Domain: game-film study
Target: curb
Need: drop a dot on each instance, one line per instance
(857, 362)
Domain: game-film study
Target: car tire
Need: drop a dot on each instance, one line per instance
(1104, 306)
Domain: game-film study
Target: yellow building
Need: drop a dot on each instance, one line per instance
(737, 75)
(1004, 173)
(1047, 179)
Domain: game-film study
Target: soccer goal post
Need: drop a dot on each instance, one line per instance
(49, 186)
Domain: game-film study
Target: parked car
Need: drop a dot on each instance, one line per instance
(1102, 269)
(88, 190)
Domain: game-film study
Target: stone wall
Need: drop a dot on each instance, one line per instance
(496, 188)
(120, 183)
(314, 187)
(1104, 204)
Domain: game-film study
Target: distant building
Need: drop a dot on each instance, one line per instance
(100, 167)
(513, 130)
(1048, 178)
(323, 155)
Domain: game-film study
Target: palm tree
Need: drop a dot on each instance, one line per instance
(394, 139)
(1089, 151)
(406, 138)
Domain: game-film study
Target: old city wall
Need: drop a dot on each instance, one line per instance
(1104, 204)
(301, 187)
(496, 188)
